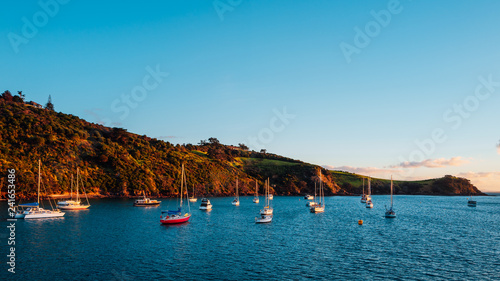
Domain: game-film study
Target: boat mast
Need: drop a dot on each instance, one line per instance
(391, 191)
(237, 188)
(256, 189)
(363, 186)
(182, 181)
(38, 199)
(369, 187)
(77, 195)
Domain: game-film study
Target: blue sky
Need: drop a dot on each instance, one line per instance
(276, 75)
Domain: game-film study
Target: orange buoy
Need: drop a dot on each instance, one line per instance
(360, 222)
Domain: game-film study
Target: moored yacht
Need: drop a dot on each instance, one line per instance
(176, 217)
(369, 203)
(205, 204)
(470, 202)
(319, 207)
(146, 202)
(77, 204)
(33, 210)
(390, 213)
(256, 197)
(236, 201)
(267, 210)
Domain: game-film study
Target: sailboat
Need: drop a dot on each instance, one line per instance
(193, 199)
(146, 202)
(313, 203)
(363, 197)
(256, 197)
(268, 210)
(175, 217)
(369, 203)
(390, 213)
(470, 202)
(33, 210)
(320, 204)
(236, 201)
(266, 214)
(76, 204)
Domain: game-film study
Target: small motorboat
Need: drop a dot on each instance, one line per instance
(205, 204)
(309, 197)
(146, 202)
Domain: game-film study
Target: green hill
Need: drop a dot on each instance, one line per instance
(114, 162)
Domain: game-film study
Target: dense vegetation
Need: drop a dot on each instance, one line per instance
(114, 162)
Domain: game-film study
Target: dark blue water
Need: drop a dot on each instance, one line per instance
(433, 237)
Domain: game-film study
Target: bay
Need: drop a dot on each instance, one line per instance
(433, 237)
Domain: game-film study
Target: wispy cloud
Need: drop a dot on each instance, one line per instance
(359, 170)
(433, 163)
(476, 175)
(485, 181)
(166, 137)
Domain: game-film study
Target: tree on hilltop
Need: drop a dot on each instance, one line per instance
(49, 105)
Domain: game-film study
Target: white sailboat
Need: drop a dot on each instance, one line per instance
(470, 202)
(267, 210)
(193, 199)
(320, 204)
(33, 210)
(363, 197)
(256, 197)
(369, 203)
(76, 204)
(313, 203)
(390, 213)
(236, 201)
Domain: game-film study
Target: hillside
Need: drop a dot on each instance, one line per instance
(114, 162)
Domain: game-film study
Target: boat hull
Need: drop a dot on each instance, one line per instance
(207, 208)
(44, 216)
(146, 204)
(236, 203)
(193, 199)
(256, 201)
(317, 209)
(266, 212)
(175, 219)
(264, 219)
(81, 207)
(390, 214)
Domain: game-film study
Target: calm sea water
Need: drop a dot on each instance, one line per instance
(433, 237)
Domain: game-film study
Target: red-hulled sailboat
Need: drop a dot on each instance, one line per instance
(175, 217)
